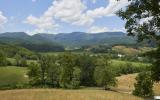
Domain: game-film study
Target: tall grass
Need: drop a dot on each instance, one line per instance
(54, 94)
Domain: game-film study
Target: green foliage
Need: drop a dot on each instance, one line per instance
(104, 75)
(136, 12)
(34, 74)
(44, 64)
(23, 62)
(144, 85)
(12, 50)
(86, 63)
(68, 63)
(75, 82)
(155, 55)
(44, 47)
(71, 71)
(53, 72)
(126, 67)
(20, 61)
(3, 60)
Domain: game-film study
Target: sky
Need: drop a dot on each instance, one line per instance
(60, 16)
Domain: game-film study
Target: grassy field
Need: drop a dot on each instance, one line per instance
(12, 75)
(58, 94)
(121, 92)
(135, 64)
(126, 84)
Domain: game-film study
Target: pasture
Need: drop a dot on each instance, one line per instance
(12, 75)
(60, 94)
(121, 92)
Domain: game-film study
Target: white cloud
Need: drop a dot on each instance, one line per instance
(96, 29)
(74, 12)
(3, 19)
(67, 10)
(34, 0)
(29, 32)
(42, 24)
(109, 10)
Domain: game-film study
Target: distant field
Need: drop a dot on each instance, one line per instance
(13, 61)
(11, 75)
(59, 94)
(135, 64)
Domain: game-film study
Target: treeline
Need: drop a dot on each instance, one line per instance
(71, 71)
(74, 70)
(11, 50)
(43, 47)
(12, 55)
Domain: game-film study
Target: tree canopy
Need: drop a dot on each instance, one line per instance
(142, 18)
(143, 21)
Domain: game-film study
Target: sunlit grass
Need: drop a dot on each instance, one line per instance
(59, 94)
(126, 84)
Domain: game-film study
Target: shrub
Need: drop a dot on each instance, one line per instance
(144, 85)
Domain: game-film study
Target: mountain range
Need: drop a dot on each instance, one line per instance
(74, 39)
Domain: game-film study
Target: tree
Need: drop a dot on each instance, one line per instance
(53, 72)
(44, 65)
(87, 65)
(23, 62)
(3, 60)
(67, 63)
(75, 82)
(34, 74)
(144, 85)
(104, 76)
(143, 20)
(18, 59)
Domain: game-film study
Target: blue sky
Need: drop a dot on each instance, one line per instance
(60, 16)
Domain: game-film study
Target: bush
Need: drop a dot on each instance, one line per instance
(144, 85)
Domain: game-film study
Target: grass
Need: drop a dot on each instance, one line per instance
(12, 75)
(59, 94)
(135, 64)
(16, 74)
(126, 84)
(13, 61)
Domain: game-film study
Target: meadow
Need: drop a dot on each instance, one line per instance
(14, 77)
(60, 94)
(121, 92)
(11, 75)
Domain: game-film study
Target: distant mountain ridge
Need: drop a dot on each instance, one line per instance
(74, 39)
(82, 38)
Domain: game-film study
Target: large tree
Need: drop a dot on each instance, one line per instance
(104, 74)
(143, 21)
